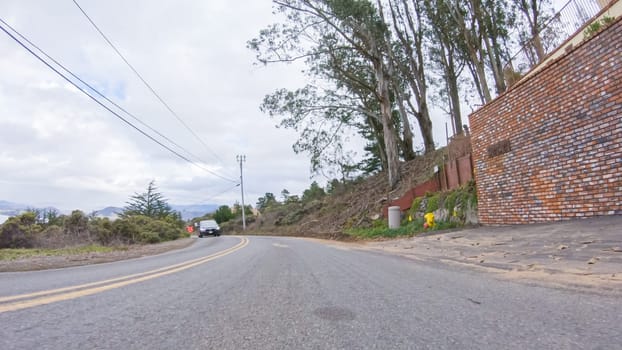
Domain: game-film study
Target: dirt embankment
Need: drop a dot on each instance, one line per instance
(354, 204)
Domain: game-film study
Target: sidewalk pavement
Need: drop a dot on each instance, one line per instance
(579, 253)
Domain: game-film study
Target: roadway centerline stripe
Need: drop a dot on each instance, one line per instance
(92, 284)
(83, 290)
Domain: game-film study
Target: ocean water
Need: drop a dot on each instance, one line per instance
(3, 218)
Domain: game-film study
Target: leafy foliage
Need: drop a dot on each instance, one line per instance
(34, 229)
(376, 66)
(313, 193)
(237, 210)
(223, 214)
(18, 232)
(267, 201)
(597, 26)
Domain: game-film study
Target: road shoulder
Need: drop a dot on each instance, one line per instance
(56, 262)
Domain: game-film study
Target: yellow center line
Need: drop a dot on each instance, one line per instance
(84, 290)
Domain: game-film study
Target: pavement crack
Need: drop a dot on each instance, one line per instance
(474, 301)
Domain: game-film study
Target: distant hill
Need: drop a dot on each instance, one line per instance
(194, 210)
(11, 209)
(108, 212)
(187, 211)
(8, 206)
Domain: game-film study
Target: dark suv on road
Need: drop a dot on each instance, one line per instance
(208, 227)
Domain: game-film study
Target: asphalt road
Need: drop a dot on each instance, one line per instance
(285, 293)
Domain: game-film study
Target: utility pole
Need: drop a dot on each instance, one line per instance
(241, 159)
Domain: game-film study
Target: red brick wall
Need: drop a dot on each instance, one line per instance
(551, 147)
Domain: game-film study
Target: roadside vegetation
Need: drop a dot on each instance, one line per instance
(147, 218)
(351, 208)
(450, 210)
(22, 253)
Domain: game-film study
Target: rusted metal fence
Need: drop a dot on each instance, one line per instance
(455, 172)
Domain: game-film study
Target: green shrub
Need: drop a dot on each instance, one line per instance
(141, 229)
(380, 229)
(432, 204)
(149, 237)
(101, 230)
(12, 235)
(416, 205)
(379, 223)
(20, 231)
(450, 201)
(597, 26)
(124, 230)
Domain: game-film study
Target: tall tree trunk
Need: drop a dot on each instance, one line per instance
(408, 150)
(406, 143)
(423, 117)
(532, 10)
(387, 123)
(480, 70)
(411, 38)
(454, 94)
(476, 82)
(378, 132)
(442, 34)
(488, 34)
(474, 53)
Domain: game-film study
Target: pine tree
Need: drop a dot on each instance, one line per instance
(151, 204)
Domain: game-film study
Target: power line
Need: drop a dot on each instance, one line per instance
(103, 105)
(204, 200)
(109, 100)
(145, 82)
(221, 192)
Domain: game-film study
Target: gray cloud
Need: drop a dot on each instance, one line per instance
(59, 148)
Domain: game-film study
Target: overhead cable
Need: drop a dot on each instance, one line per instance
(145, 82)
(104, 96)
(213, 196)
(102, 104)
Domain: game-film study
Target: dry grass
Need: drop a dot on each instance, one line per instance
(356, 205)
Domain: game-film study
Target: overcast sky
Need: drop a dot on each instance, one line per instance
(59, 148)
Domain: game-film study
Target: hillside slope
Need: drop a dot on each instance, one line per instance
(353, 204)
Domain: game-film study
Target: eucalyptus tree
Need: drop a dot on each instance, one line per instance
(482, 27)
(407, 64)
(446, 56)
(321, 31)
(496, 17)
(321, 117)
(534, 15)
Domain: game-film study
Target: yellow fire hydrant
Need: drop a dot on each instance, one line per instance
(429, 220)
